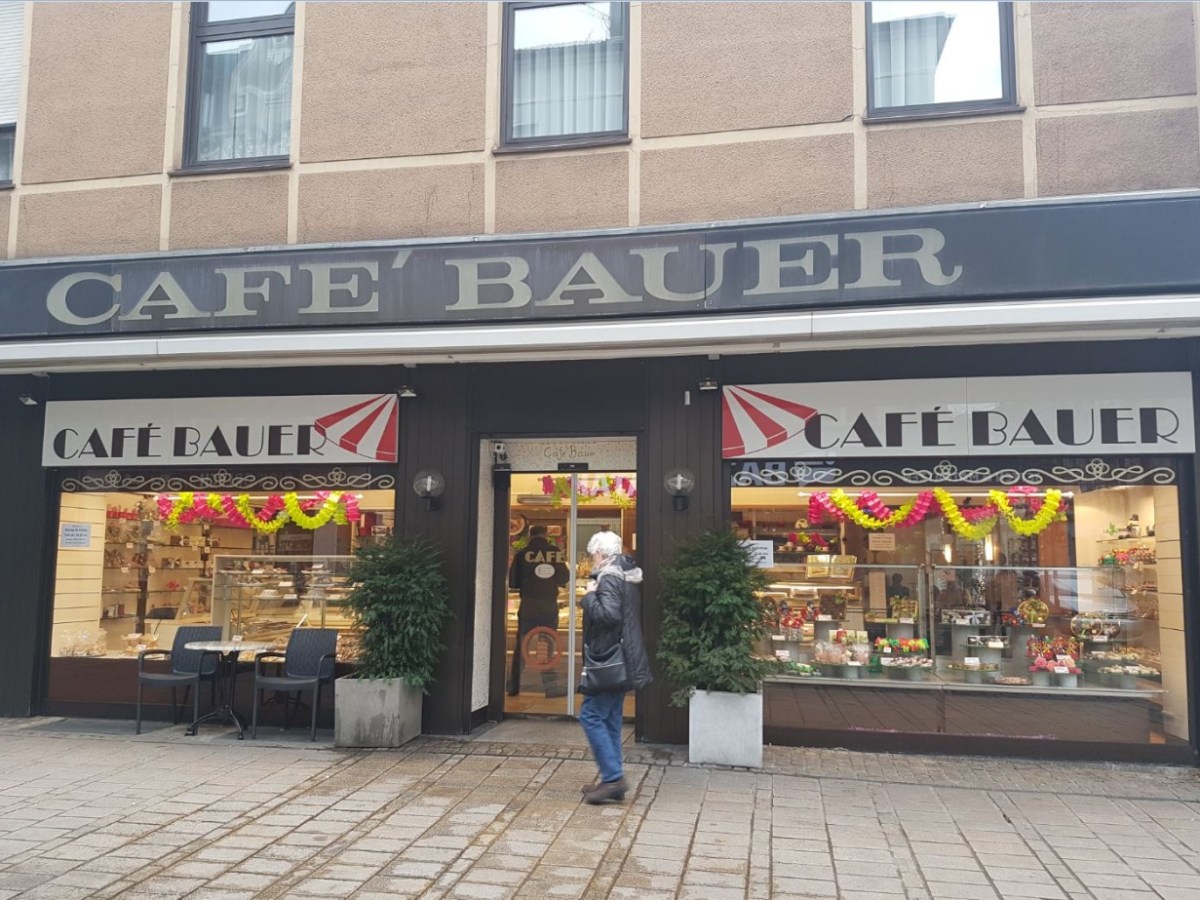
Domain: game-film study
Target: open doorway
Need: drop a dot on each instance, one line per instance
(551, 517)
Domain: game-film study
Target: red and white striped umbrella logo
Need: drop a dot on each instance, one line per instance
(367, 428)
(753, 421)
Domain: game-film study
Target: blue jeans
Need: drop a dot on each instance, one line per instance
(600, 717)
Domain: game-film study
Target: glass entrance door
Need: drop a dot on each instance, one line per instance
(552, 516)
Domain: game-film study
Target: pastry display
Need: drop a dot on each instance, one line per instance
(832, 605)
(1033, 611)
(971, 616)
(83, 643)
(1093, 627)
(987, 641)
(1011, 680)
(907, 662)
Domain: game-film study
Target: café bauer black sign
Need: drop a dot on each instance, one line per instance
(1043, 249)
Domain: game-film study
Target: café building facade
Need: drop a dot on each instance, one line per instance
(961, 440)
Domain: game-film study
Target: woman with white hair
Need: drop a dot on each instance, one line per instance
(614, 659)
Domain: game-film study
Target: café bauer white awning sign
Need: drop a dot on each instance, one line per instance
(222, 431)
(1139, 413)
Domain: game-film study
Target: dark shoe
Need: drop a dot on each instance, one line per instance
(606, 791)
(590, 787)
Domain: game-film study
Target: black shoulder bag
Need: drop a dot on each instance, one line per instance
(604, 673)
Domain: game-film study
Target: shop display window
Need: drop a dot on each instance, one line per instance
(1061, 591)
(133, 567)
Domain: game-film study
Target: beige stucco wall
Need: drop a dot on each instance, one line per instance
(97, 90)
(732, 66)
(108, 220)
(946, 164)
(737, 110)
(239, 211)
(562, 193)
(5, 209)
(414, 72)
(754, 178)
(1118, 152)
(425, 201)
(1084, 52)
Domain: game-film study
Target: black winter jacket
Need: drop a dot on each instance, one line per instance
(612, 613)
(538, 571)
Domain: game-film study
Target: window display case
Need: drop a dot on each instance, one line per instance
(837, 618)
(263, 598)
(1066, 628)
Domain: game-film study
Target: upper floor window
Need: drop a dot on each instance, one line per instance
(565, 73)
(12, 23)
(240, 83)
(939, 58)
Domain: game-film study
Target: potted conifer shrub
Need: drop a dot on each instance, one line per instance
(711, 621)
(398, 601)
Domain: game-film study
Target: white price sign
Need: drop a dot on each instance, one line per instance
(762, 553)
(877, 541)
(75, 536)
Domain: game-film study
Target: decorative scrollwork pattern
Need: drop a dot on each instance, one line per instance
(226, 480)
(802, 474)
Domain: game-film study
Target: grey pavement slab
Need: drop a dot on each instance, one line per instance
(93, 811)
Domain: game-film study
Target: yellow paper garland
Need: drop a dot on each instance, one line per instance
(862, 518)
(329, 510)
(1041, 519)
(972, 531)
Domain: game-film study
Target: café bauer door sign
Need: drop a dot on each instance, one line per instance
(312, 430)
(1146, 412)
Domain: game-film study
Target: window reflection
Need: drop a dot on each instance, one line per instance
(245, 98)
(231, 10)
(935, 52)
(567, 73)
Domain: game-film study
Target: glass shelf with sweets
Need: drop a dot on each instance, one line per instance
(264, 598)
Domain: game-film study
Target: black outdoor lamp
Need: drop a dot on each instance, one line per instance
(679, 483)
(428, 485)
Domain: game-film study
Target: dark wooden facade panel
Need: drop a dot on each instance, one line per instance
(684, 435)
(442, 428)
(25, 542)
(435, 434)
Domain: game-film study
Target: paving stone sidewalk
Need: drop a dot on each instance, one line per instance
(109, 815)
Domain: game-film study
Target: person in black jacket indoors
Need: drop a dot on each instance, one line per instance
(538, 570)
(611, 616)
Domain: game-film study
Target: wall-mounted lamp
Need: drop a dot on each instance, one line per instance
(405, 392)
(679, 483)
(26, 400)
(708, 383)
(428, 485)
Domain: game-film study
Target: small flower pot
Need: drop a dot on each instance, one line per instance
(973, 676)
(1126, 682)
(851, 671)
(1067, 681)
(916, 673)
(1040, 678)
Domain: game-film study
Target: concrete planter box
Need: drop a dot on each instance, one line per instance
(375, 712)
(725, 729)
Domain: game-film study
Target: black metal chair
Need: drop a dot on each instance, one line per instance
(188, 669)
(308, 663)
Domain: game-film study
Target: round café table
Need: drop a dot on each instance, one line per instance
(227, 668)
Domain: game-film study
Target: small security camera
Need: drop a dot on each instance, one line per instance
(499, 453)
